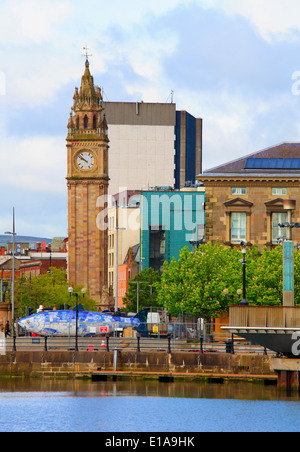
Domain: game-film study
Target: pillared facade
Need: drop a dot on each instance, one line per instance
(246, 199)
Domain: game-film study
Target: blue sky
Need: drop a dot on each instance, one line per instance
(235, 63)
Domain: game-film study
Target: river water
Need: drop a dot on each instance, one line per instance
(139, 406)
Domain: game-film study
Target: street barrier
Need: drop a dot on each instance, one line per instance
(138, 344)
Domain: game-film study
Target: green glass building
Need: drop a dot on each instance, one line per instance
(170, 220)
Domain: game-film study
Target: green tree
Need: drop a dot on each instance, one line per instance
(195, 282)
(49, 290)
(147, 281)
(265, 277)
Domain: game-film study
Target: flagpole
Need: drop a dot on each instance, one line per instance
(13, 279)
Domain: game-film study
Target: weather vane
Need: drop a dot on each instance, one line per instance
(86, 54)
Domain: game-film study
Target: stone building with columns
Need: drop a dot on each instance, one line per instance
(245, 197)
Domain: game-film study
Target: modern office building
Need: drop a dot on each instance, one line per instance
(170, 220)
(152, 144)
(188, 148)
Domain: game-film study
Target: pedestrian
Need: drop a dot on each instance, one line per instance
(7, 329)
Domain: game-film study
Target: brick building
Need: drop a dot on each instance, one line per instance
(126, 272)
(42, 264)
(87, 180)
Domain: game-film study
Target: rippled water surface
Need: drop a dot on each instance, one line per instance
(145, 407)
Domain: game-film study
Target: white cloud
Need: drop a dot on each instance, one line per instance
(274, 19)
(41, 43)
(31, 21)
(121, 14)
(44, 41)
(34, 164)
(234, 124)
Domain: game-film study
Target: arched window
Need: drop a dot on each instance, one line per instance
(86, 122)
(77, 122)
(94, 122)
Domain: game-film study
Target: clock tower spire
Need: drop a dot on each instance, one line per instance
(87, 179)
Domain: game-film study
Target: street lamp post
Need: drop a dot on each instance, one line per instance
(13, 233)
(138, 282)
(197, 243)
(244, 300)
(70, 290)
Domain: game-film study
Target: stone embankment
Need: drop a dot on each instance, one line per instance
(126, 364)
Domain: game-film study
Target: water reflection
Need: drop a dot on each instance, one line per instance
(141, 388)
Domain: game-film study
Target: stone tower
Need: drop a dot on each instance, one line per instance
(87, 145)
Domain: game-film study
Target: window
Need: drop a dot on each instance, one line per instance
(238, 227)
(238, 191)
(86, 122)
(278, 191)
(271, 163)
(157, 248)
(278, 232)
(238, 220)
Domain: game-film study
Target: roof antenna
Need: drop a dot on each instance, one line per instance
(171, 95)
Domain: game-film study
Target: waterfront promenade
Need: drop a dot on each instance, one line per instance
(132, 364)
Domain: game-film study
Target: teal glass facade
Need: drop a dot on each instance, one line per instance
(169, 222)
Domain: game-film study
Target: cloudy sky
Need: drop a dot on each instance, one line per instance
(235, 63)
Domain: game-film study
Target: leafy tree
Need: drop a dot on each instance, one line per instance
(195, 282)
(49, 290)
(147, 280)
(265, 278)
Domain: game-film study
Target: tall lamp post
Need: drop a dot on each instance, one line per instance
(13, 233)
(244, 301)
(70, 290)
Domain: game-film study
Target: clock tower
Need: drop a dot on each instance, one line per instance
(87, 145)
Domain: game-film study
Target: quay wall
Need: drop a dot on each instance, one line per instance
(89, 363)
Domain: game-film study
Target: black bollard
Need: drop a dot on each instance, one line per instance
(14, 346)
(169, 343)
(201, 345)
(138, 343)
(107, 343)
(232, 346)
(45, 348)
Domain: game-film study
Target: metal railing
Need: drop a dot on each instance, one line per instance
(183, 338)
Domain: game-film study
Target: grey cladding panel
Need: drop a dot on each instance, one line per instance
(131, 113)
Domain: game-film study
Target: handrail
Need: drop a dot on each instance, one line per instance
(52, 344)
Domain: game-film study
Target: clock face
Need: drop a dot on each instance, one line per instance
(85, 160)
